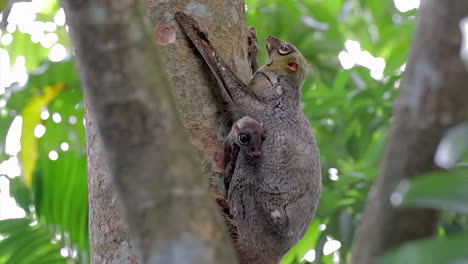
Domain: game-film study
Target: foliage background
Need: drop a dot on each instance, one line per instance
(356, 49)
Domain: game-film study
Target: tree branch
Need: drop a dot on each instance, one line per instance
(433, 98)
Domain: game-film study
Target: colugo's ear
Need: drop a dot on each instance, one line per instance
(293, 66)
(236, 127)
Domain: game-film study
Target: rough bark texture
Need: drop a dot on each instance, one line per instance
(108, 235)
(433, 98)
(195, 89)
(165, 200)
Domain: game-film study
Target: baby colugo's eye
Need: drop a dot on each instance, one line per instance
(244, 139)
(284, 49)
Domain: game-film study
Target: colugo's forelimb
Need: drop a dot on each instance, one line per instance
(232, 88)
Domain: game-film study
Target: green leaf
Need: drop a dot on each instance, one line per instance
(25, 242)
(3, 4)
(21, 193)
(430, 251)
(305, 244)
(441, 190)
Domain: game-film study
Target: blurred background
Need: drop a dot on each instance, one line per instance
(357, 51)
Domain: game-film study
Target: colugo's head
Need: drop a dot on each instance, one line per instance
(249, 135)
(285, 59)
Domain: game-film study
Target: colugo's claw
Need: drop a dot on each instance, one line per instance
(254, 48)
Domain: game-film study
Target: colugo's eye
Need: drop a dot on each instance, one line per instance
(284, 49)
(244, 139)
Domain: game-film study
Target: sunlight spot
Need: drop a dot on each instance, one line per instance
(59, 18)
(452, 146)
(354, 55)
(397, 19)
(309, 256)
(6, 39)
(5, 76)
(19, 72)
(49, 39)
(378, 68)
(333, 174)
(315, 24)
(57, 118)
(464, 43)
(34, 223)
(64, 146)
(406, 5)
(38, 5)
(331, 246)
(346, 60)
(11, 28)
(13, 145)
(322, 227)
(403, 67)
(45, 114)
(353, 47)
(3, 103)
(57, 53)
(10, 167)
(20, 13)
(53, 155)
(74, 253)
(64, 252)
(35, 29)
(396, 198)
(39, 130)
(72, 120)
(336, 257)
(50, 26)
(8, 207)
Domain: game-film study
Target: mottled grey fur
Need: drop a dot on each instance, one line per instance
(272, 202)
(246, 126)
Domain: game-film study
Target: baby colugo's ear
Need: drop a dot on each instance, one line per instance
(293, 66)
(236, 127)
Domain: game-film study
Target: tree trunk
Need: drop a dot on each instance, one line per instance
(194, 86)
(164, 196)
(433, 98)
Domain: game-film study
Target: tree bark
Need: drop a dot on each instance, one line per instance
(433, 98)
(165, 198)
(108, 235)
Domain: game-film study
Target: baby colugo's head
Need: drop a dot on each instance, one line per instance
(249, 136)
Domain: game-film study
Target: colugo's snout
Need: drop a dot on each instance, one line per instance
(272, 43)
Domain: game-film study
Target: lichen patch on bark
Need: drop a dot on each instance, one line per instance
(165, 35)
(199, 9)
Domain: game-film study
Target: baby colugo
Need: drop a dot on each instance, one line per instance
(246, 135)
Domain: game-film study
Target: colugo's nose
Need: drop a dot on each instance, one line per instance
(272, 38)
(256, 154)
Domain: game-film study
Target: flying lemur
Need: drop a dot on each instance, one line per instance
(246, 135)
(273, 201)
